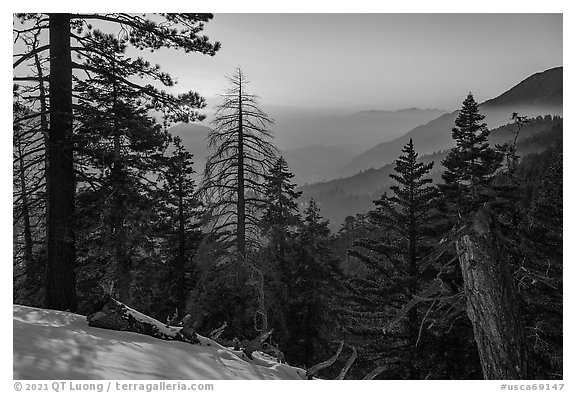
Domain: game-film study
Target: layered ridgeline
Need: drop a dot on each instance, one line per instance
(317, 145)
(540, 94)
(338, 139)
(350, 195)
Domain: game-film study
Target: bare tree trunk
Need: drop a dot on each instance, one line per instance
(181, 276)
(241, 222)
(61, 253)
(491, 302)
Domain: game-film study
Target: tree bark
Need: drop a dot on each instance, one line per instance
(61, 252)
(118, 210)
(491, 302)
(181, 265)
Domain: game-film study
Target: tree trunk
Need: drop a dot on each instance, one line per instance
(181, 265)
(241, 204)
(60, 277)
(491, 302)
(118, 210)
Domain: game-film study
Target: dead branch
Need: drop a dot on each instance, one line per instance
(345, 369)
(374, 373)
(313, 371)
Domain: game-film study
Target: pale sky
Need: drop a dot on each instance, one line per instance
(371, 61)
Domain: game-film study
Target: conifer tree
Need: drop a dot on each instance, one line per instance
(183, 216)
(117, 140)
(471, 164)
(179, 31)
(404, 225)
(281, 207)
(243, 155)
(484, 261)
(279, 219)
(540, 274)
(314, 284)
(233, 191)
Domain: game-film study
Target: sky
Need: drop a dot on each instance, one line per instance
(371, 61)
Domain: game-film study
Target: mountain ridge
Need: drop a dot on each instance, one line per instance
(538, 94)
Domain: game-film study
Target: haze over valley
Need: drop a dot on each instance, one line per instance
(346, 165)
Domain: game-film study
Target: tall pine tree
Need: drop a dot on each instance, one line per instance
(404, 225)
(314, 279)
(171, 31)
(281, 207)
(278, 222)
(118, 146)
(183, 212)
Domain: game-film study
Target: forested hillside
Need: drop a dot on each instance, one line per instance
(349, 196)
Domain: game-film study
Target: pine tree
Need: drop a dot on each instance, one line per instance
(278, 221)
(404, 226)
(172, 31)
(314, 283)
(232, 185)
(540, 274)
(471, 164)
(233, 193)
(484, 261)
(183, 215)
(117, 140)
(281, 207)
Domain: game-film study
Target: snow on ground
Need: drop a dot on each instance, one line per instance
(52, 344)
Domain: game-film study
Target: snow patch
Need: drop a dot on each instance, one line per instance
(52, 344)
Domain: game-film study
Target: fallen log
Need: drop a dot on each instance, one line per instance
(113, 315)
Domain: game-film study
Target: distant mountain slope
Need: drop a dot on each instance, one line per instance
(379, 125)
(539, 94)
(302, 127)
(340, 138)
(315, 163)
(541, 90)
